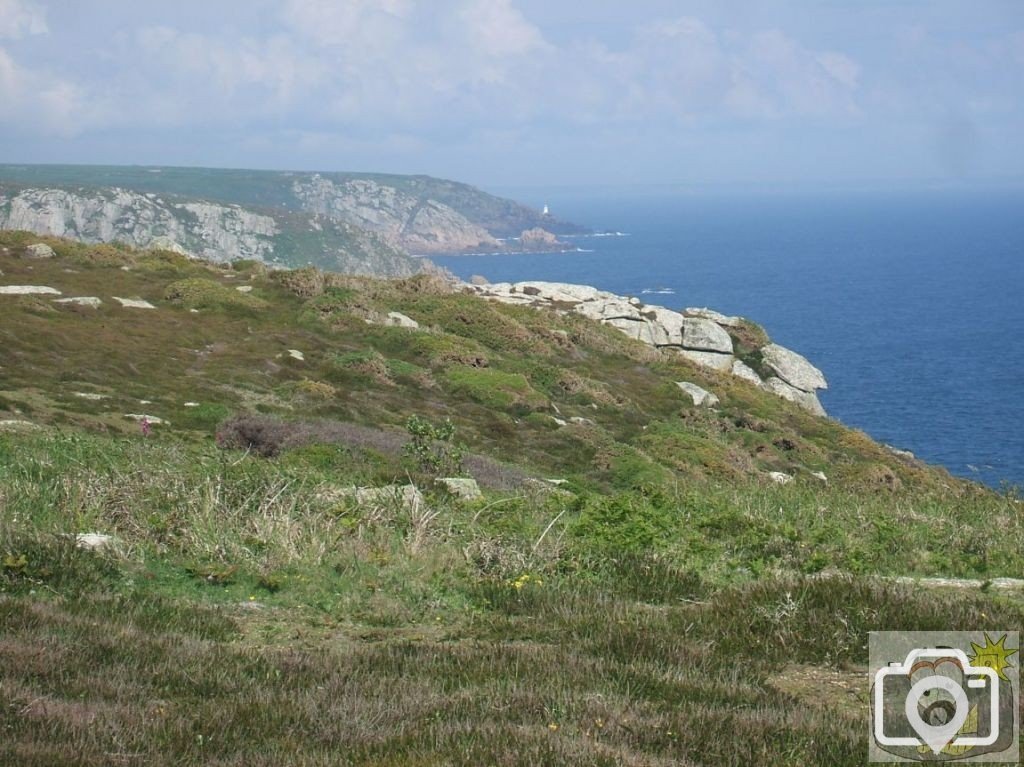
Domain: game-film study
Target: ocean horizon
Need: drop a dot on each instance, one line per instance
(908, 301)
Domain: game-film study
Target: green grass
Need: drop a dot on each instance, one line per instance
(665, 604)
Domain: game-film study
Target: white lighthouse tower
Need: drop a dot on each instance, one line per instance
(545, 212)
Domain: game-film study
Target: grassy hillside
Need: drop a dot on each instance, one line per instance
(664, 602)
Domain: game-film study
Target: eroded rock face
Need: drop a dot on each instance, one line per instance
(699, 335)
(704, 335)
(806, 400)
(713, 360)
(214, 232)
(711, 314)
(793, 368)
(741, 370)
(419, 226)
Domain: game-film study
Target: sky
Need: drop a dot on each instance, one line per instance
(504, 93)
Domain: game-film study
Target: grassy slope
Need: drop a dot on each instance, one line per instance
(672, 608)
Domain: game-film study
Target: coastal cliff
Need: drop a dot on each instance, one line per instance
(346, 222)
(207, 230)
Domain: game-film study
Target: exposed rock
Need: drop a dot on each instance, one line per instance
(244, 288)
(28, 290)
(700, 397)
(780, 477)
(711, 314)
(793, 368)
(405, 497)
(39, 250)
(416, 224)
(133, 303)
(744, 371)
(712, 360)
(539, 239)
(215, 232)
(819, 475)
(295, 354)
(152, 420)
(477, 279)
(637, 329)
(465, 488)
(699, 337)
(581, 421)
(94, 541)
(905, 454)
(190, 404)
(91, 301)
(609, 309)
(666, 325)
(807, 400)
(994, 584)
(402, 321)
(90, 395)
(166, 243)
(704, 335)
(14, 424)
(557, 292)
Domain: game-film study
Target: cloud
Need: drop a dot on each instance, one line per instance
(41, 102)
(21, 18)
(367, 28)
(496, 28)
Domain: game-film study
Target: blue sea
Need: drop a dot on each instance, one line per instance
(911, 303)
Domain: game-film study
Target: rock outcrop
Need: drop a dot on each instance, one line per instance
(700, 335)
(39, 250)
(538, 239)
(418, 225)
(701, 397)
(211, 231)
(28, 290)
(793, 369)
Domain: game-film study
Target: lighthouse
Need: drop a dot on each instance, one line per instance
(546, 212)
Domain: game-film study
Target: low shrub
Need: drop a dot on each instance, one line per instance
(433, 448)
(494, 388)
(200, 293)
(308, 282)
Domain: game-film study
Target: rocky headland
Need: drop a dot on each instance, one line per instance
(708, 338)
(368, 224)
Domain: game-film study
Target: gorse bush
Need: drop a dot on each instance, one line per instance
(433, 448)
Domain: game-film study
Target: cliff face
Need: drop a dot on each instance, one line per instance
(416, 224)
(215, 232)
(365, 224)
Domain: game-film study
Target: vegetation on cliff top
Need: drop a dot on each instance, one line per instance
(665, 603)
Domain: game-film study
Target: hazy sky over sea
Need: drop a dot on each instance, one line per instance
(525, 92)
